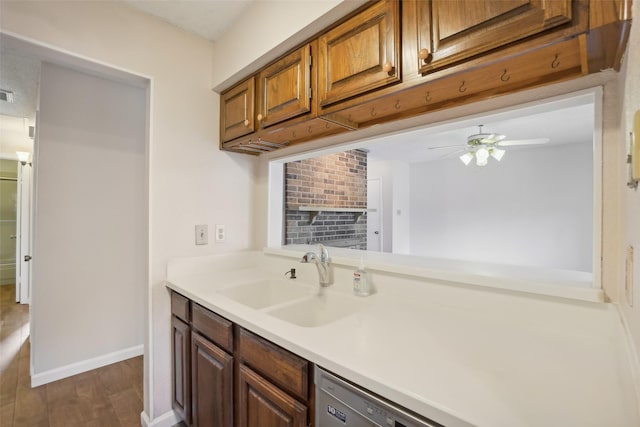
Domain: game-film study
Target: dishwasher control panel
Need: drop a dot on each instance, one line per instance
(339, 404)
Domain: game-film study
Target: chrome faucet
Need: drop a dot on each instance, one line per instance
(321, 259)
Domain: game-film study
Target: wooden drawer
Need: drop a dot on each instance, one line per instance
(285, 369)
(216, 328)
(180, 306)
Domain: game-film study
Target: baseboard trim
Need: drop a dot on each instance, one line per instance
(85, 365)
(168, 419)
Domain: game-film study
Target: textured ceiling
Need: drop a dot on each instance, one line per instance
(207, 18)
(567, 122)
(20, 74)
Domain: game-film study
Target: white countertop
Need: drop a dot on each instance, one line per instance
(459, 355)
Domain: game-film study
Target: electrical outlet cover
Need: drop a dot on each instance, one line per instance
(220, 233)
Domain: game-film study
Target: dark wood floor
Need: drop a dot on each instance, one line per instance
(110, 396)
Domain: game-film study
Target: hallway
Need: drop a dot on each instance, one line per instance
(110, 396)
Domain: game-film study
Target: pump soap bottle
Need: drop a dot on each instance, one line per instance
(361, 281)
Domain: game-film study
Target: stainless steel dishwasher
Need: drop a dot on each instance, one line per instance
(339, 404)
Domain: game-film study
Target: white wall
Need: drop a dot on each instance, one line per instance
(630, 87)
(534, 208)
(191, 181)
(401, 207)
(267, 30)
(90, 251)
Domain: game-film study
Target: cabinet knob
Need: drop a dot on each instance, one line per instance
(246, 122)
(424, 54)
(260, 117)
(387, 67)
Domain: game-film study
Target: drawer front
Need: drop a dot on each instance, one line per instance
(180, 306)
(285, 369)
(216, 328)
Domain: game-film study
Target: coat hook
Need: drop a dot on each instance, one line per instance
(462, 89)
(309, 130)
(556, 62)
(293, 134)
(428, 97)
(397, 106)
(373, 112)
(504, 76)
(327, 125)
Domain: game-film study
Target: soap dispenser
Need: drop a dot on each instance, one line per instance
(361, 285)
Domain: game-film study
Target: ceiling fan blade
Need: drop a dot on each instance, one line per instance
(453, 153)
(446, 146)
(514, 142)
(493, 138)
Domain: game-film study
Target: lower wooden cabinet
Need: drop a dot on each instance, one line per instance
(181, 359)
(261, 403)
(212, 384)
(226, 376)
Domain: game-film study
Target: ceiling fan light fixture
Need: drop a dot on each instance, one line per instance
(466, 158)
(482, 153)
(497, 153)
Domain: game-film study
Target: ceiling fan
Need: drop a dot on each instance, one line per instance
(484, 145)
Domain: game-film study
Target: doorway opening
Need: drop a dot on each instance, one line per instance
(91, 180)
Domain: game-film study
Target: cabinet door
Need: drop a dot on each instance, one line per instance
(284, 88)
(263, 404)
(450, 31)
(212, 378)
(237, 111)
(181, 394)
(360, 55)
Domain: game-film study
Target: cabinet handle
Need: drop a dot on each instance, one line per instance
(387, 68)
(246, 122)
(260, 117)
(425, 55)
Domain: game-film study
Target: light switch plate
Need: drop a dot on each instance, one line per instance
(202, 234)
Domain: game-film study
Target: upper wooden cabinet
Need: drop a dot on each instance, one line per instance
(361, 54)
(450, 31)
(395, 59)
(237, 111)
(284, 88)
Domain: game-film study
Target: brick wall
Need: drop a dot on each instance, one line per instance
(336, 181)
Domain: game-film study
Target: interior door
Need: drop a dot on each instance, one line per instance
(374, 214)
(23, 231)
